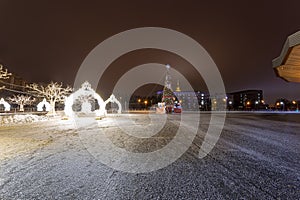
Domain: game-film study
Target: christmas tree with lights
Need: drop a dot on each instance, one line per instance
(168, 95)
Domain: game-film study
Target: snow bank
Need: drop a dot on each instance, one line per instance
(20, 119)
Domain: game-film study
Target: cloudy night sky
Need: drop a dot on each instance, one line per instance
(42, 41)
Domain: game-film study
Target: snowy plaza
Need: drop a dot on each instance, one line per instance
(256, 156)
(154, 100)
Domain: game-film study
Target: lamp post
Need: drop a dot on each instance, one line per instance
(296, 104)
(146, 102)
(248, 103)
(256, 103)
(139, 106)
(282, 104)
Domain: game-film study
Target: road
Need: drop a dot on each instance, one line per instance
(256, 157)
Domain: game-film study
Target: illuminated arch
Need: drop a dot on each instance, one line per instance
(5, 104)
(113, 99)
(85, 90)
(42, 104)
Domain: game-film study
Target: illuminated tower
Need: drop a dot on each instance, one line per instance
(168, 96)
(178, 87)
(168, 77)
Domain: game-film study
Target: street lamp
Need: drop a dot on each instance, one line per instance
(256, 103)
(295, 103)
(248, 105)
(139, 107)
(282, 104)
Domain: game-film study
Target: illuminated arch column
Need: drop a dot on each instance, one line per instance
(5, 104)
(85, 90)
(113, 99)
(42, 104)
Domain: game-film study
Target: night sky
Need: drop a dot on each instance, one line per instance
(48, 40)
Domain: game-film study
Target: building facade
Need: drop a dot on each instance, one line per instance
(246, 100)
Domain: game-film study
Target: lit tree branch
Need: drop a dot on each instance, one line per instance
(53, 92)
(4, 73)
(21, 100)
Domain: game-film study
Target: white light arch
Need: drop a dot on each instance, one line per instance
(113, 99)
(85, 90)
(5, 104)
(41, 105)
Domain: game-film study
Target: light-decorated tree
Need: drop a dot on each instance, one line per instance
(21, 100)
(54, 92)
(168, 95)
(4, 74)
(168, 98)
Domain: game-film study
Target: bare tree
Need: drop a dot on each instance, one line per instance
(53, 92)
(21, 100)
(4, 74)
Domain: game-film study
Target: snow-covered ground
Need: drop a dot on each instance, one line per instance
(256, 157)
(13, 119)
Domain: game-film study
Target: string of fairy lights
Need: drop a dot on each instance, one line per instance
(13, 90)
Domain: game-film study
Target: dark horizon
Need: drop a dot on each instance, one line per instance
(47, 41)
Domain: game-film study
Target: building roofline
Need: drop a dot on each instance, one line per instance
(290, 42)
(242, 91)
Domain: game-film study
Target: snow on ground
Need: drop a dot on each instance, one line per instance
(20, 119)
(256, 157)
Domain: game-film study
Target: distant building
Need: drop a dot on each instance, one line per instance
(191, 100)
(245, 100)
(218, 102)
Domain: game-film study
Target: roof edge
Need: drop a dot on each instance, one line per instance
(290, 42)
